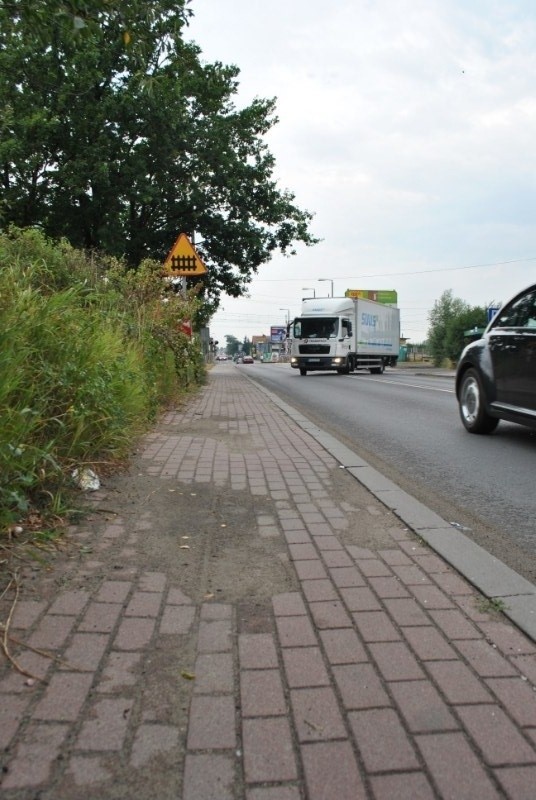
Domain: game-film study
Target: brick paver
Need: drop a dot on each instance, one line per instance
(382, 740)
(268, 751)
(372, 676)
(212, 723)
(331, 770)
(208, 776)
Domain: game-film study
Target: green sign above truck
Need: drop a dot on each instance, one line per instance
(388, 297)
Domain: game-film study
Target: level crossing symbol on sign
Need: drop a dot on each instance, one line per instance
(183, 260)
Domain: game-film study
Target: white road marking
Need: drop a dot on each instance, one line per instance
(412, 385)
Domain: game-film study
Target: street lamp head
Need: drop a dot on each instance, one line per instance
(288, 313)
(327, 279)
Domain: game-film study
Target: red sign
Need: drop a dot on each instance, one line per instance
(186, 327)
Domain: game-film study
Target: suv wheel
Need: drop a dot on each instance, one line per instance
(471, 402)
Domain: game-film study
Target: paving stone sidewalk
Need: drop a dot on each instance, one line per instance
(379, 673)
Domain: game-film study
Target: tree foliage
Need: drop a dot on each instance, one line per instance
(75, 18)
(232, 345)
(473, 317)
(116, 135)
(449, 318)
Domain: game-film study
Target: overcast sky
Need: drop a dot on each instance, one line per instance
(408, 127)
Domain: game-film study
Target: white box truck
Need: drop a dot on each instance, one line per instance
(343, 334)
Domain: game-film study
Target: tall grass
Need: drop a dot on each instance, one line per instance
(88, 355)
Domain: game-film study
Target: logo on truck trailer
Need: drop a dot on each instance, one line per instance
(369, 320)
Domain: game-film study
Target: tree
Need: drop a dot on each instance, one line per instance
(439, 317)
(472, 317)
(233, 345)
(114, 135)
(448, 319)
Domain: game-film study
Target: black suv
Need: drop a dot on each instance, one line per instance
(496, 375)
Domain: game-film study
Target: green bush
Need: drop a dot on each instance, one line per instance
(88, 355)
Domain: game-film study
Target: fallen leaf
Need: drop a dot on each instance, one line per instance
(184, 547)
(189, 676)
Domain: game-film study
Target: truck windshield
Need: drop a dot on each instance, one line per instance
(316, 328)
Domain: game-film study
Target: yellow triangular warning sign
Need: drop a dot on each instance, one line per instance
(182, 260)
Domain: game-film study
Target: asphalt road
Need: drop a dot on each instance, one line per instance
(406, 424)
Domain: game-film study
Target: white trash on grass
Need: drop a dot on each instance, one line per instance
(86, 479)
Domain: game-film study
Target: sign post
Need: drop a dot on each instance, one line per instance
(182, 261)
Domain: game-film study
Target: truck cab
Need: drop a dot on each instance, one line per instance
(321, 342)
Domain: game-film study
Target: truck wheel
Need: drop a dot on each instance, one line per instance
(471, 404)
(303, 371)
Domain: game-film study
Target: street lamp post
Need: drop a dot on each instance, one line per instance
(327, 279)
(309, 289)
(288, 313)
(283, 350)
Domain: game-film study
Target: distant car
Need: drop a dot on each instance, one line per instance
(248, 360)
(496, 375)
(221, 358)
